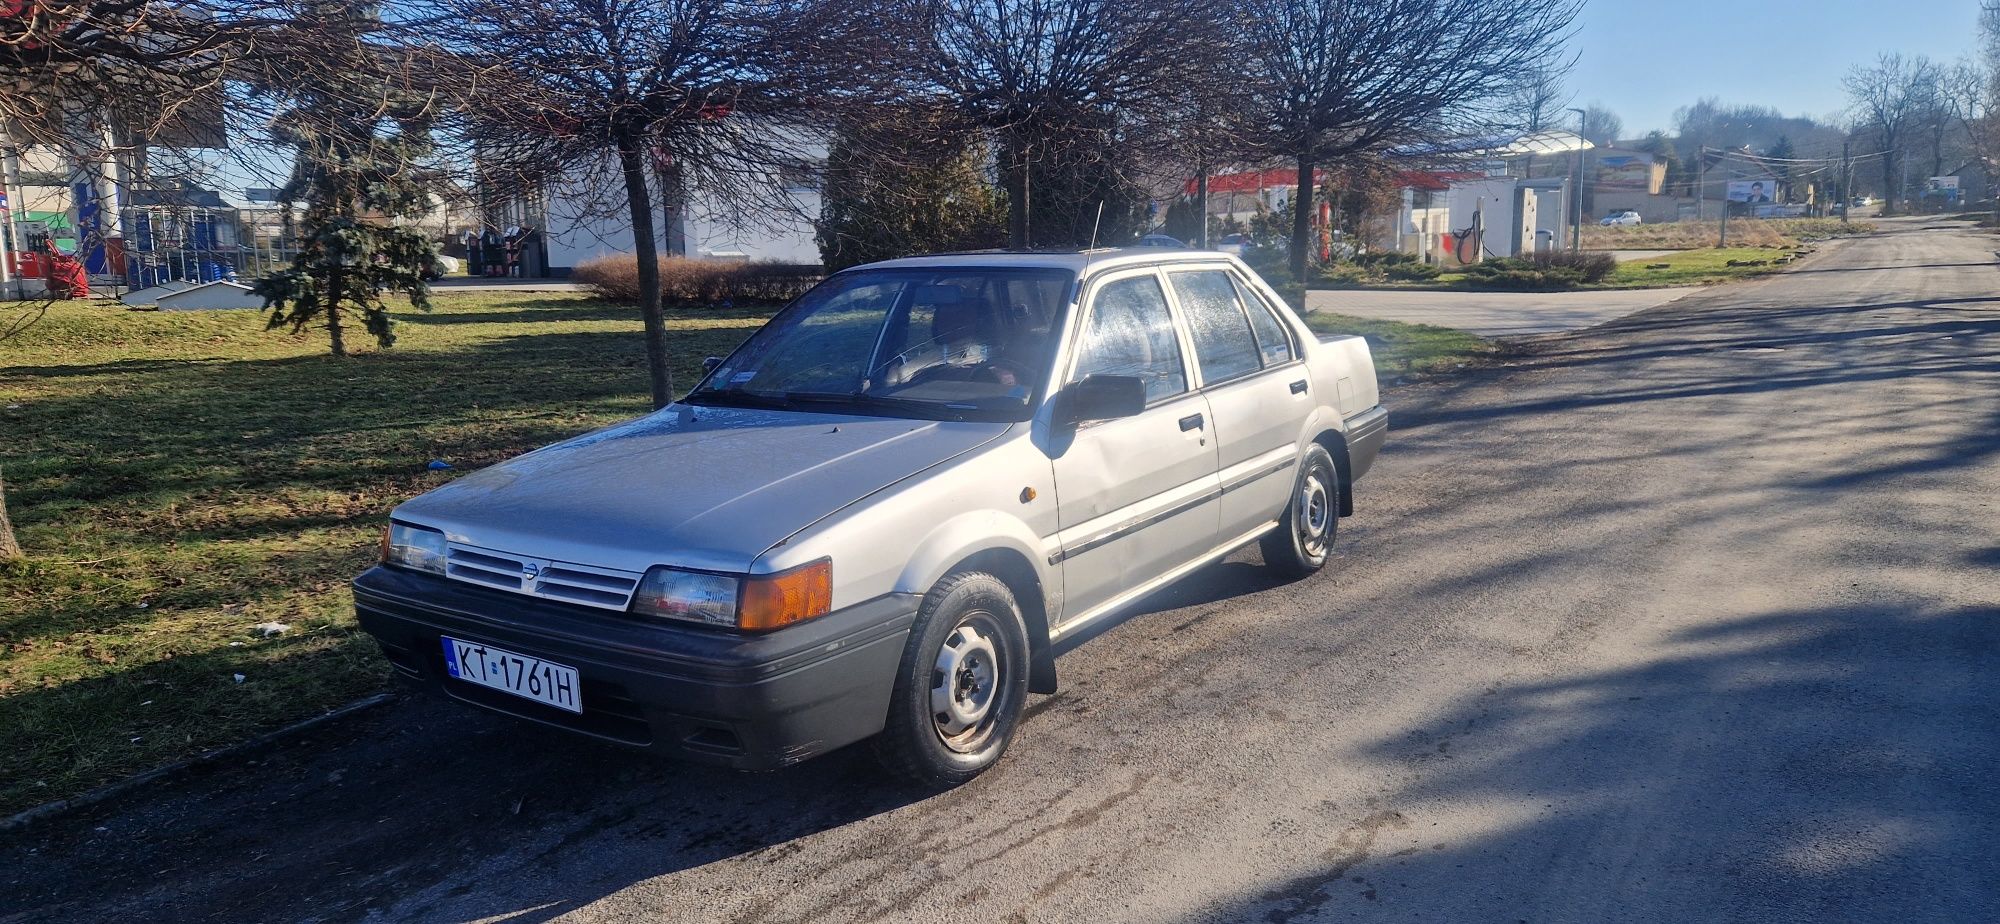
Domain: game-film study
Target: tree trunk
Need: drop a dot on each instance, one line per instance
(639, 201)
(1201, 206)
(1302, 201)
(9, 549)
(333, 284)
(1017, 196)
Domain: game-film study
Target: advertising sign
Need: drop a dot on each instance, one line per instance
(1753, 191)
(1624, 171)
(1944, 184)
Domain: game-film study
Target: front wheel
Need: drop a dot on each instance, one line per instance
(1300, 545)
(962, 683)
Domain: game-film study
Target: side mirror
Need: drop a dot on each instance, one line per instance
(708, 364)
(1100, 397)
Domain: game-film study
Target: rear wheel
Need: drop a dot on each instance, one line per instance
(1301, 544)
(962, 684)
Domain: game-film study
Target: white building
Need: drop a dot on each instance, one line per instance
(588, 217)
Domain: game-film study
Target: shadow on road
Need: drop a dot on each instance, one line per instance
(383, 807)
(1786, 813)
(432, 799)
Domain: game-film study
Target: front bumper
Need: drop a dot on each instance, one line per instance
(753, 702)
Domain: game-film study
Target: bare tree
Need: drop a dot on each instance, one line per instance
(1971, 92)
(1600, 126)
(658, 96)
(1538, 100)
(155, 67)
(1059, 81)
(1889, 98)
(102, 81)
(1335, 78)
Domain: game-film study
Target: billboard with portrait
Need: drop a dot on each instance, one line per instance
(1754, 191)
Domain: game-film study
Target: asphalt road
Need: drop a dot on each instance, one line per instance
(1689, 618)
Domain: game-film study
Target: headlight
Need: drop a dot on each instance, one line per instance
(414, 547)
(674, 594)
(756, 603)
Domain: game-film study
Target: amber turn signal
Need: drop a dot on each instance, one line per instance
(778, 600)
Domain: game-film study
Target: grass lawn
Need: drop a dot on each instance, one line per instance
(1694, 268)
(177, 479)
(1405, 349)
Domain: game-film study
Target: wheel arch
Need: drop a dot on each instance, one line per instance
(1335, 443)
(1019, 574)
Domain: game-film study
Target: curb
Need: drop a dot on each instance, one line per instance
(47, 810)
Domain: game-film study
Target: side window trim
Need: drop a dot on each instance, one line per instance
(1246, 291)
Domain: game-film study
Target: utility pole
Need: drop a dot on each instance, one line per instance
(1576, 230)
(1700, 179)
(1846, 172)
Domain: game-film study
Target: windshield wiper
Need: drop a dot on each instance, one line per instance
(725, 397)
(862, 400)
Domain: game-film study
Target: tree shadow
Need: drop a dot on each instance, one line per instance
(543, 310)
(1801, 764)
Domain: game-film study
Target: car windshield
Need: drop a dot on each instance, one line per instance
(944, 343)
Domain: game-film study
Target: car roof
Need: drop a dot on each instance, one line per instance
(1076, 261)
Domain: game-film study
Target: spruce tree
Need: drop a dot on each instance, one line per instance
(358, 142)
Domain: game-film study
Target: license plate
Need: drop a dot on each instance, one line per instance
(522, 675)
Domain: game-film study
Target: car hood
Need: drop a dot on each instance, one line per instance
(698, 487)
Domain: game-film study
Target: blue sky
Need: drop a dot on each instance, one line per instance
(1643, 59)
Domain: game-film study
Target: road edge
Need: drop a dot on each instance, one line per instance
(25, 818)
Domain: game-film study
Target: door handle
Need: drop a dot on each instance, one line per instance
(1299, 387)
(1190, 422)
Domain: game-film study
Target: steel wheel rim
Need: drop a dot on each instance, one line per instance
(1315, 514)
(966, 680)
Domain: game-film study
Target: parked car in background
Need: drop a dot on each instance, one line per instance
(1234, 244)
(882, 512)
(1160, 240)
(1622, 217)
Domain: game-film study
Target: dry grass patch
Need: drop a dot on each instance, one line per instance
(1743, 232)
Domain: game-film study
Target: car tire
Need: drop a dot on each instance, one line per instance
(1304, 539)
(962, 684)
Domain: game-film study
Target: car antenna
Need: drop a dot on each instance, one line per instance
(1090, 253)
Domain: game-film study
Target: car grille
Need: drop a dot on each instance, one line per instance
(539, 577)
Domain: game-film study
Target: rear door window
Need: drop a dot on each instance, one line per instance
(1223, 343)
